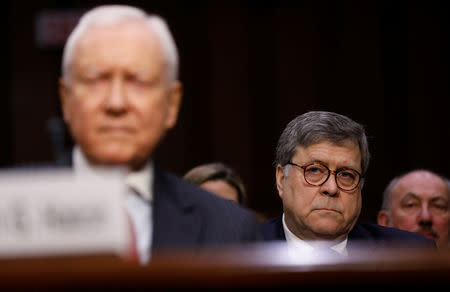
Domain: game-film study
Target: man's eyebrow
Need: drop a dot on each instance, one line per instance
(327, 165)
(439, 198)
(411, 195)
(89, 69)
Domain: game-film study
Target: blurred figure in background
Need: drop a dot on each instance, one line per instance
(120, 95)
(219, 179)
(222, 180)
(418, 201)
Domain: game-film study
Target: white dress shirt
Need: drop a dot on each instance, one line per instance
(302, 246)
(138, 200)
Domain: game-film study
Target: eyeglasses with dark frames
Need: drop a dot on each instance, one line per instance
(316, 174)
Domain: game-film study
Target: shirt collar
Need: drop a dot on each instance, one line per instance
(296, 242)
(140, 180)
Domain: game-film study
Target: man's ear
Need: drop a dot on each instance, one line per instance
(383, 218)
(174, 103)
(64, 96)
(279, 174)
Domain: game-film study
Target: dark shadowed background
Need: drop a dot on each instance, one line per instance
(248, 68)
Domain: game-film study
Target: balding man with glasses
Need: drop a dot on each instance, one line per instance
(321, 162)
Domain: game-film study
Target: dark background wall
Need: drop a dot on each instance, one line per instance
(248, 68)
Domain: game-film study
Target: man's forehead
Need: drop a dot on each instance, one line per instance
(422, 179)
(119, 49)
(327, 150)
(421, 184)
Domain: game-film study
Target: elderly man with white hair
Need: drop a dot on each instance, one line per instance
(120, 94)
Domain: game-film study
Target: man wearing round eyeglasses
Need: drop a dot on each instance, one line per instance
(321, 160)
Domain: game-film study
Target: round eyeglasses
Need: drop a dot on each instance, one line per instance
(316, 174)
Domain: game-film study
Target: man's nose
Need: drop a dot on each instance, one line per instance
(329, 187)
(115, 100)
(424, 214)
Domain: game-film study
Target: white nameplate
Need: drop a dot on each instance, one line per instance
(52, 212)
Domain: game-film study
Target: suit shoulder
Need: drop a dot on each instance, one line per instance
(272, 229)
(271, 223)
(364, 230)
(189, 193)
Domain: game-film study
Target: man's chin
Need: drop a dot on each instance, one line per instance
(327, 230)
(129, 160)
(115, 157)
(118, 154)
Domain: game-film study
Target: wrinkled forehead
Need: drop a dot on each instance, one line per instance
(343, 154)
(126, 46)
(422, 184)
(349, 144)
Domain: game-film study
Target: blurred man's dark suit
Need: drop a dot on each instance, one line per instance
(184, 215)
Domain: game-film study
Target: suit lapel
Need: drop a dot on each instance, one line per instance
(176, 222)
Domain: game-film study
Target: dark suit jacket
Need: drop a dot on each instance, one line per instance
(184, 215)
(363, 234)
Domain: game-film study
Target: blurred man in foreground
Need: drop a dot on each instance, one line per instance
(120, 94)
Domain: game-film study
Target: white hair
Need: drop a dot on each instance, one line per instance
(109, 15)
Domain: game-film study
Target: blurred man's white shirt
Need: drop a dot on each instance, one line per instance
(138, 200)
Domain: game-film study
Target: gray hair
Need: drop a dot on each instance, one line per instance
(387, 193)
(108, 15)
(317, 126)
